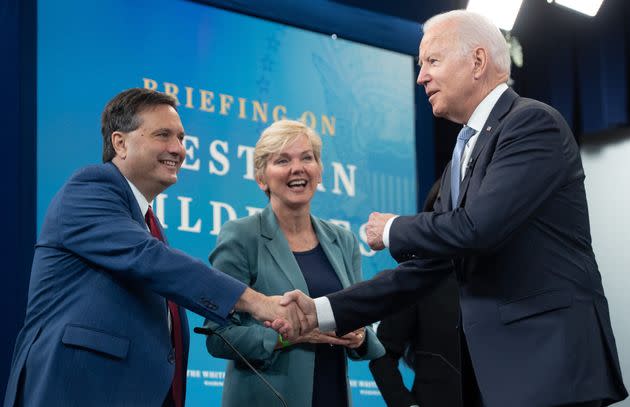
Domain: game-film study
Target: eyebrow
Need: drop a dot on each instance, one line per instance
(162, 130)
(167, 130)
(284, 154)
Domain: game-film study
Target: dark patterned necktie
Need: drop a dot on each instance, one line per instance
(177, 388)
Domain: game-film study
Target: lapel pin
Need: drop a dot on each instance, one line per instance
(488, 128)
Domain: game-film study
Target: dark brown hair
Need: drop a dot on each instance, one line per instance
(122, 114)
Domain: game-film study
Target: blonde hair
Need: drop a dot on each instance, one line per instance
(277, 136)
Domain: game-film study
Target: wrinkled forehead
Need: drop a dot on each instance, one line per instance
(434, 45)
(440, 36)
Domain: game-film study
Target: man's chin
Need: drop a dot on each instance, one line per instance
(168, 181)
(437, 112)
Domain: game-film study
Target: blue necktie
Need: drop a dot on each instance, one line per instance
(456, 166)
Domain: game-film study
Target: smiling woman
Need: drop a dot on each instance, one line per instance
(288, 166)
(280, 249)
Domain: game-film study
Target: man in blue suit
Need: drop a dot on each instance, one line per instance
(98, 330)
(512, 221)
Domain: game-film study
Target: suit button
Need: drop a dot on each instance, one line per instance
(171, 357)
(208, 304)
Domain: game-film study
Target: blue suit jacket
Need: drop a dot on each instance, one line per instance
(533, 308)
(255, 251)
(96, 330)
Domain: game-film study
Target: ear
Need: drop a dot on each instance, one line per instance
(262, 184)
(480, 61)
(119, 142)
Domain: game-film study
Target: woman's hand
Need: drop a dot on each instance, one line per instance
(355, 338)
(315, 336)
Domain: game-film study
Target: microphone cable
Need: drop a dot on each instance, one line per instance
(449, 364)
(208, 332)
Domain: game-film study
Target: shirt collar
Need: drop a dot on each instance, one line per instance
(142, 201)
(481, 113)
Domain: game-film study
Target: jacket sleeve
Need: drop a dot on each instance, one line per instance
(372, 347)
(387, 292)
(251, 338)
(95, 223)
(527, 166)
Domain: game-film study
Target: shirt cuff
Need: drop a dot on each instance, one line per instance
(388, 225)
(325, 316)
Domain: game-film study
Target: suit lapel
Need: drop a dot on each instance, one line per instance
(162, 231)
(491, 125)
(278, 247)
(445, 189)
(330, 245)
(136, 214)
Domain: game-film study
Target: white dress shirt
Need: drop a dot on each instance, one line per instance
(142, 201)
(477, 121)
(325, 316)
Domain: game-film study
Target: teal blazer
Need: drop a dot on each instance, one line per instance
(255, 251)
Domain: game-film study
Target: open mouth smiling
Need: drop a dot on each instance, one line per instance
(170, 163)
(297, 183)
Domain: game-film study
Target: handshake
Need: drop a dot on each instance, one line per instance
(292, 315)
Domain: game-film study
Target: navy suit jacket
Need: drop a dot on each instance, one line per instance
(533, 309)
(96, 330)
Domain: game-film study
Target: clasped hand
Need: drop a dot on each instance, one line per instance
(351, 340)
(308, 323)
(291, 321)
(288, 319)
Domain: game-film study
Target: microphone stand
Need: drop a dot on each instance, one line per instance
(208, 332)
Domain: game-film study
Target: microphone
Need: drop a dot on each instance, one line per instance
(203, 330)
(470, 163)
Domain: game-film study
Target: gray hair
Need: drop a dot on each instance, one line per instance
(474, 30)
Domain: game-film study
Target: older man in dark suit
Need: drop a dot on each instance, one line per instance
(512, 221)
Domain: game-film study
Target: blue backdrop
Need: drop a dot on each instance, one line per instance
(233, 75)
